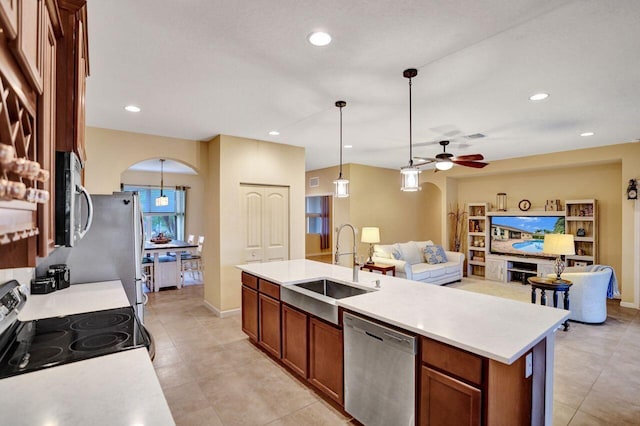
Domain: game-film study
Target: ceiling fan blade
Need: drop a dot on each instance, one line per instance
(424, 160)
(470, 157)
(475, 164)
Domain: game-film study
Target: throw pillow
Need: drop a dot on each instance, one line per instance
(396, 254)
(411, 253)
(434, 255)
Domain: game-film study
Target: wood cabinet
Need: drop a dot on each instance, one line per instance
(46, 139)
(269, 324)
(477, 238)
(9, 18)
(446, 401)
(32, 65)
(295, 340)
(28, 45)
(250, 312)
(461, 388)
(326, 359)
(72, 71)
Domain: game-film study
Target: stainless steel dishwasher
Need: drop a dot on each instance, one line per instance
(379, 373)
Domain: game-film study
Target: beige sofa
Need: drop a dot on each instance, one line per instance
(409, 260)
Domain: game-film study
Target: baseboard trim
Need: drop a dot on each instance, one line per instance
(629, 305)
(222, 314)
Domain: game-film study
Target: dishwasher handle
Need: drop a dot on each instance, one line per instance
(381, 333)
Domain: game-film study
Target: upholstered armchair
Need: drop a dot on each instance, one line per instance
(588, 295)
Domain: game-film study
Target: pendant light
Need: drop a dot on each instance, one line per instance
(342, 184)
(162, 200)
(410, 174)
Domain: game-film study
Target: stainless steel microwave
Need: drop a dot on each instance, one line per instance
(74, 210)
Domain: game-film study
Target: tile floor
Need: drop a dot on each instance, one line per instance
(212, 375)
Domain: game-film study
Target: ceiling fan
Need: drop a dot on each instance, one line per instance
(445, 160)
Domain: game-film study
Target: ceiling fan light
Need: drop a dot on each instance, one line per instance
(342, 187)
(410, 179)
(444, 165)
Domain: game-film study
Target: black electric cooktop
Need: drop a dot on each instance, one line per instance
(43, 343)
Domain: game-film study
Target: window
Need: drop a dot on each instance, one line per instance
(166, 219)
(317, 212)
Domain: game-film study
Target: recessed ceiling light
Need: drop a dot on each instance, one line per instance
(587, 134)
(132, 108)
(348, 146)
(538, 96)
(274, 133)
(319, 38)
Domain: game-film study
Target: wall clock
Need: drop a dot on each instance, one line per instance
(524, 205)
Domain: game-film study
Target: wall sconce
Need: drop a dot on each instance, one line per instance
(501, 202)
(632, 190)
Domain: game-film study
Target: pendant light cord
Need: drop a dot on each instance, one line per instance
(340, 143)
(410, 127)
(162, 178)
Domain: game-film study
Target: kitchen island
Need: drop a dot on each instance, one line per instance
(119, 388)
(497, 334)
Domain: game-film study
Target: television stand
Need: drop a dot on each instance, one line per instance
(514, 268)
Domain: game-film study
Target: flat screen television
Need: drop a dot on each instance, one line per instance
(522, 235)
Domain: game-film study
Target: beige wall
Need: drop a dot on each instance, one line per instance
(222, 165)
(601, 173)
(376, 200)
(111, 152)
(246, 161)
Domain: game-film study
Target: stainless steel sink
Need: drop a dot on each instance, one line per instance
(319, 297)
(331, 289)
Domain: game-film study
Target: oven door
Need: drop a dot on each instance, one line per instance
(74, 210)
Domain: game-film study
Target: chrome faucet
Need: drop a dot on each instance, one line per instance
(354, 253)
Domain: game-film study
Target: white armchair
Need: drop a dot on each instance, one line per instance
(588, 295)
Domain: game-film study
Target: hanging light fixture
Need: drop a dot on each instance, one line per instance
(342, 184)
(410, 174)
(162, 200)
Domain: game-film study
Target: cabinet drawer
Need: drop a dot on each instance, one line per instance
(455, 361)
(250, 281)
(270, 289)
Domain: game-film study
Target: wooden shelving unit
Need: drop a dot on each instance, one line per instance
(581, 220)
(477, 239)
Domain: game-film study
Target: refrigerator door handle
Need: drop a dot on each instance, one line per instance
(82, 190)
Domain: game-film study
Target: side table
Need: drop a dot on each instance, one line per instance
(383, 269)
(543, 284)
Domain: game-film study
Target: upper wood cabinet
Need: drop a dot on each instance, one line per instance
(72, 71)
(29, 42)
(46, 139)
(30, 118)
(9, 18)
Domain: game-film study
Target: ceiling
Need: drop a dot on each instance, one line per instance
(199, 68)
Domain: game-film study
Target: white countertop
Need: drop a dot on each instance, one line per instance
(494, 327)
(74, 300)
(117, 389)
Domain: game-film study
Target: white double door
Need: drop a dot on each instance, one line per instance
(265, 212)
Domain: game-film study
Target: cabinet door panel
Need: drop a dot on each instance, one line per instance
(250, 312)
(29, 41)
(445, 401)
(326, 359)
(47, 142)
(9, 17)
(269, 319)
(294, 340)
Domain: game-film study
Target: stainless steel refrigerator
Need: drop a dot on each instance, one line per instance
(111, 249)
